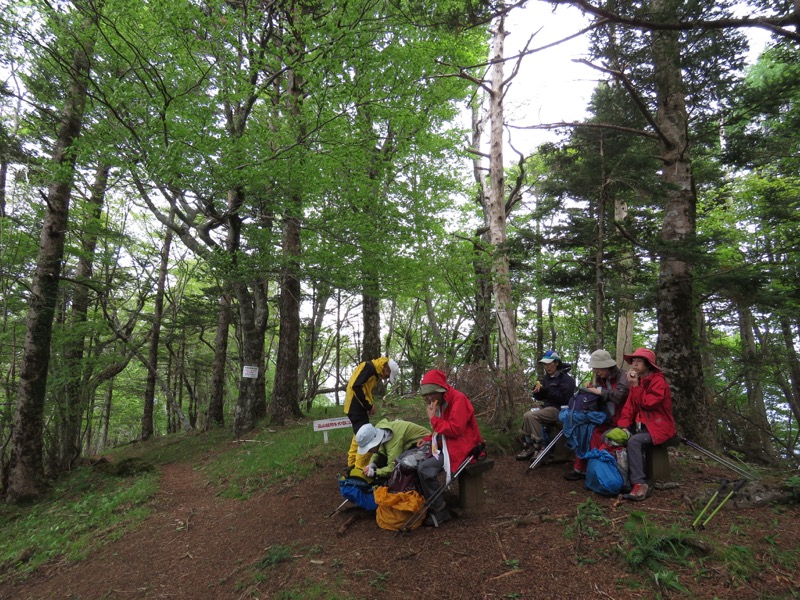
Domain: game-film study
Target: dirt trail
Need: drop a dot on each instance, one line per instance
(197, 546)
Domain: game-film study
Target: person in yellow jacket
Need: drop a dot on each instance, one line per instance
(358, 402)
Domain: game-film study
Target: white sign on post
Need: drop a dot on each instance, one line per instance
(250, 372)
(324, 425)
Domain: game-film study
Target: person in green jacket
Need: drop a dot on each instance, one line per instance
(387, 440)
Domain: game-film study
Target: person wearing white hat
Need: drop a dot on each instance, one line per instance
(358, 402)
(385, 441)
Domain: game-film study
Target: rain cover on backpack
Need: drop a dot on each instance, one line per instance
(358, 491)
(602, 474)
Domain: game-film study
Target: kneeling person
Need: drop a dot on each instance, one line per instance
(387, 440)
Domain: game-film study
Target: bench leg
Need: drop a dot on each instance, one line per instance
(657, 464)
(470, 490)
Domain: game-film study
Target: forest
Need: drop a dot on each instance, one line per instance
(212, 211)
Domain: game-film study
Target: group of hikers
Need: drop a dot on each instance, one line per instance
(630, 409)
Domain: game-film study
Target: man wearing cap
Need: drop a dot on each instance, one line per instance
(611, 384)
(554, 390)
(455, 436)
(646, 418)
(358, 402)
(385, 441)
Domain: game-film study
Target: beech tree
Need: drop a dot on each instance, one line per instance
(26, 479)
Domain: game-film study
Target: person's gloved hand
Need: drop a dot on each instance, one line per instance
(617, 435)
(369, 470)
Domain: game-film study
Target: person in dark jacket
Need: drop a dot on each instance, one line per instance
(554, 391)
(611, 384)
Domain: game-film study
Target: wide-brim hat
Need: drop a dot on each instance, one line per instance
(431, 388)
(646, 354)
(368, 437)
(601, 359)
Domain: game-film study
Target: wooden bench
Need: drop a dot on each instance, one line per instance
(470, 484)
(656, 461)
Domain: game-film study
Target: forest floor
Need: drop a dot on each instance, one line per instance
(537, 536)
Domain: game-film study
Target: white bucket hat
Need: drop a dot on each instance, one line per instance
(368, 437)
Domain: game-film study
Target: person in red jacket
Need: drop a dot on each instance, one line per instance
(646, 418)
(455, 435)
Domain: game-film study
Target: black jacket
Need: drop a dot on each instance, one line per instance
(558, 389)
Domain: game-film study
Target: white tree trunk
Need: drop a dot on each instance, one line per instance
(495, 213)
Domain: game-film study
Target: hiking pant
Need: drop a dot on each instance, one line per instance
(358, 418)
(636, 447)
(428, 471)
(533, 420)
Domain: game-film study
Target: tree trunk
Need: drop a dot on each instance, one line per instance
(75, 396)
(756, 436)
(480, 349)
(624, 343)
(371, 314)
(599, 283)
(677, 347)
(508, 351)
(216, 403)
(26, 480)
(155, 334)
(285, 390)
(793, 389)
(308, 381)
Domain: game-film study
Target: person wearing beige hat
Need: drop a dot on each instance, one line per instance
(611, 384)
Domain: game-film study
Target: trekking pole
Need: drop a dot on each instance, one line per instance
(412, 520)
(724, 462)
(722, 485)
(338, 508)
(736, 488)
(542, 453)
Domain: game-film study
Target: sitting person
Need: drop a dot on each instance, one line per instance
(610, 383)
(646, 418)
(554, 391)
(455, 436)
(387, 440)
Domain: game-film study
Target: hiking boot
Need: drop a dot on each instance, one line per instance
(639, 492)
(526, 453)
(574, 475)
(436, 519)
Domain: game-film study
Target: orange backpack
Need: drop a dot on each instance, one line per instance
(396, 508)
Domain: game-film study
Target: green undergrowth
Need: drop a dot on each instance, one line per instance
(82, 512)
(96, 504)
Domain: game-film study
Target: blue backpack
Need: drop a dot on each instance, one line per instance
(602, 474)
(358, 491)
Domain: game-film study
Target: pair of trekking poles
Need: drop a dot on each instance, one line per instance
(477, 453)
